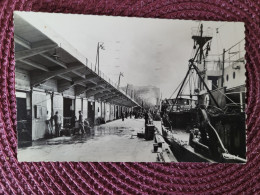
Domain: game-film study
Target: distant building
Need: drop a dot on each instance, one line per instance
(149, 95)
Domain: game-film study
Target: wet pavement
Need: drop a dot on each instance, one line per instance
(115, 141)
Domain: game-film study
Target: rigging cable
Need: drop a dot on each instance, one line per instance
(235, 44)
(194, 80)
(190, 75)
(224, 94)
(176, 89)
(184, 86)
(180, 92)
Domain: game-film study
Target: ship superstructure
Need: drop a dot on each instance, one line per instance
(208, 123)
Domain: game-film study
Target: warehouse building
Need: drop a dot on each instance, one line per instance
(53, 76)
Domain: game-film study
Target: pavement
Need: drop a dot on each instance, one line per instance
(115, 141)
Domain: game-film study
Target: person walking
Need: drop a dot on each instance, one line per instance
(58, 121)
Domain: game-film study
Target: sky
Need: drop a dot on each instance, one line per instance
(147, 51)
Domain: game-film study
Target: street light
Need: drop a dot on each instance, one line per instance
(100, 45)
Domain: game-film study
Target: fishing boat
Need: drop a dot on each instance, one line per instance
(208, 124)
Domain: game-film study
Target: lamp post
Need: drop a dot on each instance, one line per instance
(100, 45)
(126, 89)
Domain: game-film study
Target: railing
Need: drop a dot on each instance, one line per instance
(107, 79)
(101, 74)
(195, 31)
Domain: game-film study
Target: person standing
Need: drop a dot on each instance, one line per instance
(123, 116)
(146, 118)
(58, 121)
(73, 121)
(81, 122)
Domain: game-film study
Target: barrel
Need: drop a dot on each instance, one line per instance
(149, 132)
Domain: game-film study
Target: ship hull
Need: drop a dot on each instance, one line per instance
(181, 148)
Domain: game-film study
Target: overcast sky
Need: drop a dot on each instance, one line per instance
(147, 51)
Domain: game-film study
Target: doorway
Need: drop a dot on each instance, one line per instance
(24, 120)
(68, 111)
(117, 115)
(67, 107)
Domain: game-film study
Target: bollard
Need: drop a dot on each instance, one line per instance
(155, 147)
(159, 144)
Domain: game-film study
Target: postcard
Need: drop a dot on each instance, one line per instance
(124, 89)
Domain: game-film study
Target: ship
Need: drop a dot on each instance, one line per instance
(208, 124)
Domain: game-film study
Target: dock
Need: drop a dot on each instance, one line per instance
(110, 142)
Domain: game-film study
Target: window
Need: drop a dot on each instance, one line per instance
(234, 75)
(227, 77)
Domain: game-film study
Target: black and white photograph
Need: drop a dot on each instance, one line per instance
(126, 89)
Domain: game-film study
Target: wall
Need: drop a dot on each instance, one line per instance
(119, 111)
(103, 110)
(112, 112)
(107, 111)
(240, 78)
(78, 106)
(41, 99)
(39, 127)
(58, 103)
(22, 80)
(49, 105)
(69, 93)
(49, 85)
(85, 108)
(97, 109)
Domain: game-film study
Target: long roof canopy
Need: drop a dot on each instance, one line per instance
(47, 56)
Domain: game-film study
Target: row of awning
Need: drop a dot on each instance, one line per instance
(46, 59)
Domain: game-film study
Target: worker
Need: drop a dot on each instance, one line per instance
(123, 116)
(86, 125)
(81, 122)
(146, 117)
(58, 121)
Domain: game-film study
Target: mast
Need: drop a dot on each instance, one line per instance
(201, 43)
(199, 40)
(223, 67)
